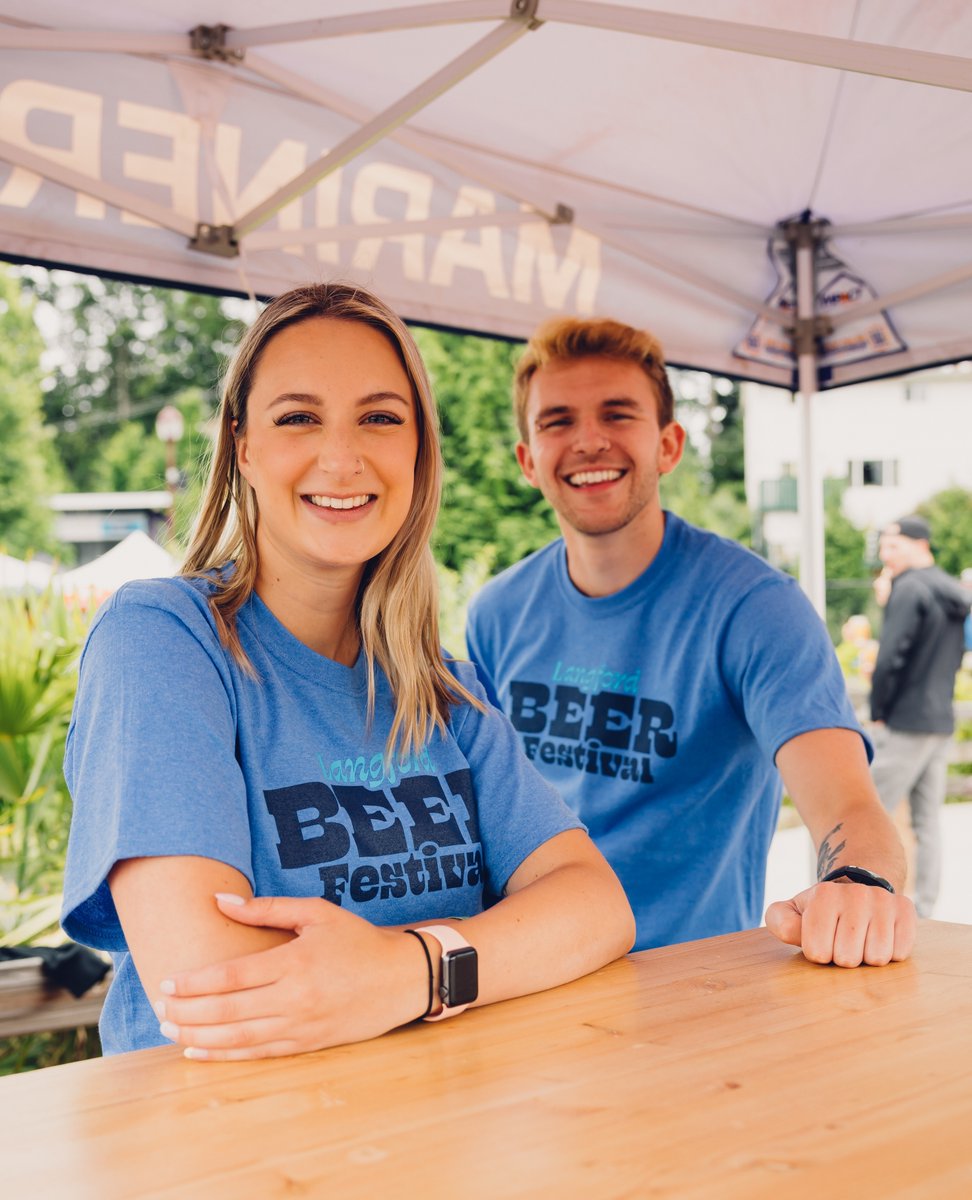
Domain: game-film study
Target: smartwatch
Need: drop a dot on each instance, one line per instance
(459, 981)
(858, 875)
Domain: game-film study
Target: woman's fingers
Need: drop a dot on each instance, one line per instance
(234, 975)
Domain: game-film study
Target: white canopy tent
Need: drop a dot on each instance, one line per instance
(136, 556)
(782, 191)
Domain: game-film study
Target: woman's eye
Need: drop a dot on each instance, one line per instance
(382, 418)
(295, 418)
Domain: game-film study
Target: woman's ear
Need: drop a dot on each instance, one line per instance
(242, 455)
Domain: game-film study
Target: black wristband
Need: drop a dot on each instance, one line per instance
(428, 958)
(858, 875)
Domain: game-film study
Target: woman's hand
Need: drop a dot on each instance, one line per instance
(339, 979)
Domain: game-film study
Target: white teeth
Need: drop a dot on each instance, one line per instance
(584, 477)
(338, 501)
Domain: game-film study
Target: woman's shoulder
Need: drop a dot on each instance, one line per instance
(152, 602)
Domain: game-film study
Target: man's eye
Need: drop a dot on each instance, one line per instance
(554, 423)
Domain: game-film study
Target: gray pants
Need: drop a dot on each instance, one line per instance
(914, 765)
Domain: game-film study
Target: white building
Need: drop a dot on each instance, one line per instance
(894, 442)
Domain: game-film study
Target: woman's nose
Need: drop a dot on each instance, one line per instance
(338, 455)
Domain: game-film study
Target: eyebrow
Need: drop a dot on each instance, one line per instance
(613, 402)
(315, 401)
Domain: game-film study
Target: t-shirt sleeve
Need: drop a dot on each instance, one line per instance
(150, 757)
(517, 809)
(781, 665)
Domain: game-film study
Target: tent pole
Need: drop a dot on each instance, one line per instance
(805, 236)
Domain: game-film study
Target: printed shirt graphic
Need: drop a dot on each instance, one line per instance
(174, 750)
(657, 713)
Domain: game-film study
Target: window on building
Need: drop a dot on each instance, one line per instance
(873, 472)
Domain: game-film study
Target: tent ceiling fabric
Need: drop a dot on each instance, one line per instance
(484, 164)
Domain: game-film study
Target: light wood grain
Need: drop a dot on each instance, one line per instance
(722, 1069)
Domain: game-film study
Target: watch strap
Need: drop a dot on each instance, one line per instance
(858, 875)
(448, 939)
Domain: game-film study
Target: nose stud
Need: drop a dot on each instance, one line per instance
(360, 466)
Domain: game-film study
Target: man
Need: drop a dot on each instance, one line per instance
(655, 672)
(921, 649)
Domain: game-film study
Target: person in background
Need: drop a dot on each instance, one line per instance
(296, 821)
(920, 652)
(664, 678)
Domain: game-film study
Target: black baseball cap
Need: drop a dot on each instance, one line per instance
(910, 527)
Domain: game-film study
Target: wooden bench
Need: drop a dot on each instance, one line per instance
(29, 1003)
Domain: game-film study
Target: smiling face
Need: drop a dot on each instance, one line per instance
(329, 447)
(594, 447)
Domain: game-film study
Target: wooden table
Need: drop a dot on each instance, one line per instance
(724, 1068)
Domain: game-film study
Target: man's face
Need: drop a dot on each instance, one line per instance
(897, 552)
(593, 445)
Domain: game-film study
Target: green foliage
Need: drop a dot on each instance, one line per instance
(487, 507)
(28, 465)
(34, 1050)
(121, 352)
(845, 569)
(949, 515)
(39, 641)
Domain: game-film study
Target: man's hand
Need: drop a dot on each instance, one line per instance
(847, 924)
(340, 979)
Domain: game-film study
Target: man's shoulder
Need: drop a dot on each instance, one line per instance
(706, 551)
(520, 579)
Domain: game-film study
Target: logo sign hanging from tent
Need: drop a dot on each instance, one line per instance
(838, 288)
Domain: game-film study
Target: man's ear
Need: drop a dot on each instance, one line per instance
(671, 447)
(525, 459)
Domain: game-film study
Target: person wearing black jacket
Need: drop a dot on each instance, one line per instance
(911, 691)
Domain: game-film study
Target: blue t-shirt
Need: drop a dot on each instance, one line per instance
(658, 711)
(174, 750)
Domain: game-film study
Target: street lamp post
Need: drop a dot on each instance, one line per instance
(169, 427)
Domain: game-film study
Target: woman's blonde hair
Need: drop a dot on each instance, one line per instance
(396, 608)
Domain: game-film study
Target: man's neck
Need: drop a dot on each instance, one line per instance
(602, 564)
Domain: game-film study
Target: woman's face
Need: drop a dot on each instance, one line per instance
(329, 446)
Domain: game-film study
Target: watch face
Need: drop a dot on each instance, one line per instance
(460, 977)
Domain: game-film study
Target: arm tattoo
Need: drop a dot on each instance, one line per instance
(827, 856)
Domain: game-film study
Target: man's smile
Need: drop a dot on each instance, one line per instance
(586, 478)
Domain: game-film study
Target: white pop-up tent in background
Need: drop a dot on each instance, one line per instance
(782, 191)
(135, 557)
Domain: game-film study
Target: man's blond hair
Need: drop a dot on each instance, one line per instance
(564, 339)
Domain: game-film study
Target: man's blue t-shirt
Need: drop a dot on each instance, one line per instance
(657, 712)
(175, 750)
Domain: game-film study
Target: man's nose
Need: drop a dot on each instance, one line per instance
(590, 436)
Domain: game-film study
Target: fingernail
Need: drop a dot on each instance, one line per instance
(167, 987)
(169, 1030)
(229, 898)
(159, 1006)
(195, 1052)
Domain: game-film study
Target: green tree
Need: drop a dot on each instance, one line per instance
(487, 508)
(949, 515)
(119, 352)
(29, 471)
(845, 566)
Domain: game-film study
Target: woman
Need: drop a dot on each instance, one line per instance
(295, 824)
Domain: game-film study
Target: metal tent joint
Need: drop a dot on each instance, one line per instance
(209, 41)
(563, 215)
(218, 240)
(526, 11)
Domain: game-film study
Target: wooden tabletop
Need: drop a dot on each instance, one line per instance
(718, 1069)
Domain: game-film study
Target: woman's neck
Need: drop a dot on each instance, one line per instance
(317, 609)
